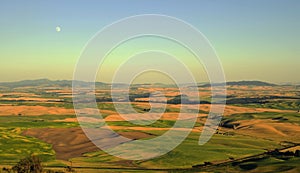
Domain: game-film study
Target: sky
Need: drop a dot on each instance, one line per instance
(254, 39)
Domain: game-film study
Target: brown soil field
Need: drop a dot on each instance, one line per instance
(72, 142)
(34, 110)
(198, 129)
(153, 89)
(151, 116)
(157, 99)
(6, 109)
(21, 94)
(61, 91)
(32, 99)
(67, 143)
(67, 120)
(293, 149)
(229, 110)
(269, 129)
(107, 111)
(118, 117)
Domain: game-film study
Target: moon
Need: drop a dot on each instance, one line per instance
(58, 29)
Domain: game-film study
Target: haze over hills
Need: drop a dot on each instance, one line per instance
(68, 83)
(241, 83)
(45, 83)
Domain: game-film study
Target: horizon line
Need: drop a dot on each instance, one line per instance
(204, 82)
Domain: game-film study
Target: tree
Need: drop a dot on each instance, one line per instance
(31, 164)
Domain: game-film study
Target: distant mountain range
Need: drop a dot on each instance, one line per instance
(45, 83)
(240, 83)
(68, 83)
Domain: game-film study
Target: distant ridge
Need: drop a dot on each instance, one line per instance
(68, 83)
(45, 83)
(23, 83)
(241, 83)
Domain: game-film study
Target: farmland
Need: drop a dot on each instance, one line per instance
(38, 118)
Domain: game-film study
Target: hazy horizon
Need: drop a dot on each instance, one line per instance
(204, 82)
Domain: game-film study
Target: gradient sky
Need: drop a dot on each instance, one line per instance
(254, 39)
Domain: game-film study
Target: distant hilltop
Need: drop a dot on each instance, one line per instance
(68, 83)
(44, 83)
(241, 83)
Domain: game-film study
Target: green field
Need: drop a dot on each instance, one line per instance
(15, 146)
(222, 153)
